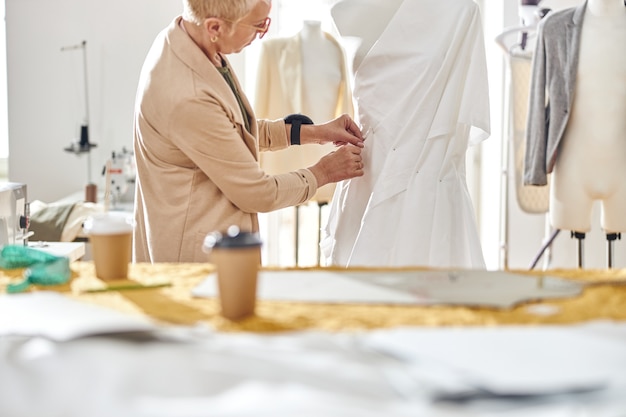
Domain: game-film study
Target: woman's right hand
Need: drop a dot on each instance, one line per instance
(342, 164)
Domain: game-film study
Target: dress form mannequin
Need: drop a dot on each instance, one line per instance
(591, 164)
(307, 76)
(321, 81)
(364, 20)
(421, 90)
(321, 72)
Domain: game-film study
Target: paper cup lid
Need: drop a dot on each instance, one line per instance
(234, 238)
(108, 224)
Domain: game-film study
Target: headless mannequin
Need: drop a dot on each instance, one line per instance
(365, 20)
(592, 158)
(399, 112)
(319, 63)
(321, 72)
(321, 79)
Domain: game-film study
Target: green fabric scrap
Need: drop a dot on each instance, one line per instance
(42, 268)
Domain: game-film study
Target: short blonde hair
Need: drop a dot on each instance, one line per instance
(196, 11)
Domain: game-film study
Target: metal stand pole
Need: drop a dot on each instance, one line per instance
(581, 255)
(320, 204)
(297, 235)
(86, 81)
(610, 239)
(84, 146)
(545, 248)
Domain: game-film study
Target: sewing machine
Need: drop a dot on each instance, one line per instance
(14, 214)
(119, 172)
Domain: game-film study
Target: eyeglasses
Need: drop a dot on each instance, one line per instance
(261, 28)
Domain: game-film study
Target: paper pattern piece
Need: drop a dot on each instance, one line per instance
(60, 318)
(454, 287)
(511, 360)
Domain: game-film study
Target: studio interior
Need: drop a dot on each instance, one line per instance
(472, 262)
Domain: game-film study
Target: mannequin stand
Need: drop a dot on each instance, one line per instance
(610, 239)
(581, 253)
(297, 236)
(544, 247)
(320, 205)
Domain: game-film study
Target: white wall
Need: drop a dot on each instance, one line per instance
(46, 87)
(4, 128)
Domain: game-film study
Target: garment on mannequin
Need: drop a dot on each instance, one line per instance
(579, 136)
(352, 16)
(305, 73)
(422, 97)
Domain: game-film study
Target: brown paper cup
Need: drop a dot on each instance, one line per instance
(111, 254)
(237, 271)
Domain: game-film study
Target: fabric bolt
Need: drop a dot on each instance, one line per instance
(422, 99)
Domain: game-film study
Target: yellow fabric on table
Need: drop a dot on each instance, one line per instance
(603, 298)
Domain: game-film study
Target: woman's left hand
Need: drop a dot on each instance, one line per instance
(340, 131)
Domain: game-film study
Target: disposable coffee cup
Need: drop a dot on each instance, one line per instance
(237, 258)
(111, 244)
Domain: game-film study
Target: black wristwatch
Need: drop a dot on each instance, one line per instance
(296, 120)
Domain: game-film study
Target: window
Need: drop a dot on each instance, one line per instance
(4, 125)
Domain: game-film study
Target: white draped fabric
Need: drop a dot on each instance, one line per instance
(422, 98)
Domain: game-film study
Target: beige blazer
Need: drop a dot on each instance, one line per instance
(197, 166)
(279, 92)
(279, 79)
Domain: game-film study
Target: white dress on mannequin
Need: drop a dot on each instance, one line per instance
(422, 96)
(350, 16)
(591, 163)
(304, 74)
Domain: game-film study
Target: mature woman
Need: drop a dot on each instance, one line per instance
(197, 141)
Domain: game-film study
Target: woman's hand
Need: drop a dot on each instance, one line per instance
(342, 164)
(340, 131)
